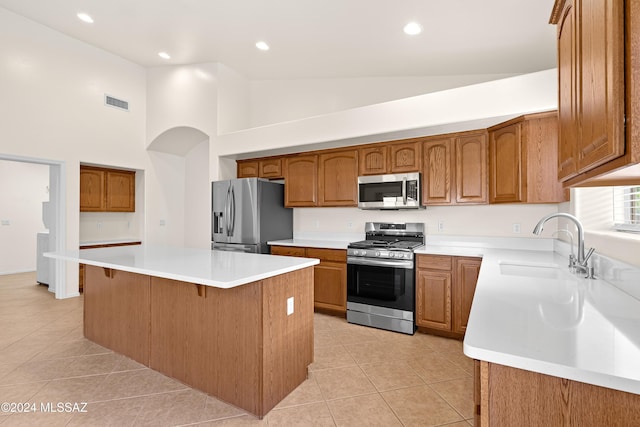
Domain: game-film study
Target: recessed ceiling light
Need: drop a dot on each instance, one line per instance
(412, 28)
(262, 46)
(86, 18)
(164, 55)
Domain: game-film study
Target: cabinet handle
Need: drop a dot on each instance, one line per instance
(108, 272)
(202, 290)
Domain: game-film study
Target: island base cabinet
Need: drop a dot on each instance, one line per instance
(506, 396)
(237, 344)
(116, 311)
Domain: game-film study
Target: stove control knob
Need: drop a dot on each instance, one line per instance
(377, 253)
(392, 254)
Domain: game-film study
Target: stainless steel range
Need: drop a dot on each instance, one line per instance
(381, 276)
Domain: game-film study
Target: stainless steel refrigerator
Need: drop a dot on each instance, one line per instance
(247, 213)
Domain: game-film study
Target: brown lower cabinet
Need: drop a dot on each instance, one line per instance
(330, 276)
(506, 396)
(237, 344)
(445, 286)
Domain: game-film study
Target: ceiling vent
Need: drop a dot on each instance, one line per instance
(116, 103)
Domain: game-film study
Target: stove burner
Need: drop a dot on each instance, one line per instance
(394, 244)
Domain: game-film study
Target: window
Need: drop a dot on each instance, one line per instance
(626, 208)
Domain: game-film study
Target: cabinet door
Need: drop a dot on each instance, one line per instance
(471, 169)
(433, 299)
(601, 68)
(301, 181)
(373, 160)
(92, 190)
(330, 285)
(121, 191)
(117, 313)
(247, 169)
(436, 173)
(505, 162)
(405, 157)
(464, 287)
(271, 168)
(540, 142)
(338, 178)
(567, 94)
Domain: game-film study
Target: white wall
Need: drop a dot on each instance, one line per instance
(181, 97)
(197, 198)
(23, 188)
(510, 96)
(234, 102)
(275, 101)
(52, 107)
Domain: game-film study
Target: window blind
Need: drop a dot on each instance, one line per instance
(626, 208)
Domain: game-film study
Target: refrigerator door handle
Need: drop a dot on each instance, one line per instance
(232, 210)
(227, 212)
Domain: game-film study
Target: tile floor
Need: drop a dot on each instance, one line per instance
(360, 376)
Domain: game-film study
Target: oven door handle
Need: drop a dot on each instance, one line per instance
(380, 262)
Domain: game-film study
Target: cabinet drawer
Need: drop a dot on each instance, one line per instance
(335, 255)
(287, 251)
(435, 262)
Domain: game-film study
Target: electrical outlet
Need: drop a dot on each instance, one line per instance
(289, 306)
(440, 226)
(316, 224)
(99, 226)
(516, 228)
(163, 223)
(349, 225)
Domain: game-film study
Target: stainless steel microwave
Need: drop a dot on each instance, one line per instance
(397, 191)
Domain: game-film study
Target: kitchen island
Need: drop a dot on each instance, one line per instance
(236, 326)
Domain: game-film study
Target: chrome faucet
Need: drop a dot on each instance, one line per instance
(582, 259)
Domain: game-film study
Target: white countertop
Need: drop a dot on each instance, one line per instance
(538, 317)
(530, 313)
(312, 243)
(202, 266)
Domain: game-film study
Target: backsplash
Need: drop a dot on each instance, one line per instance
(106, 226)
(505, 220)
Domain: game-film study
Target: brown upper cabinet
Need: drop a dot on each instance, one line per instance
(405, 156)
(523, 160)
(454, 170)
(107, 190)
(301, 181)
(247, 168)
(597, 39)
(373, 160)
(337, 178)
(270, 168)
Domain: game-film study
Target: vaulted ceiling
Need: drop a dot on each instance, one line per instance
(314, 38)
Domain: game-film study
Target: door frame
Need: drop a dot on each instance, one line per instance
(57, 200)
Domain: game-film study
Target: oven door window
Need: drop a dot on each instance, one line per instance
(381, 286)
(376, 192)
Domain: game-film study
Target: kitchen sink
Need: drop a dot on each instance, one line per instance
(525, 269)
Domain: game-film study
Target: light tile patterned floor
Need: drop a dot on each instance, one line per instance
(360, 376)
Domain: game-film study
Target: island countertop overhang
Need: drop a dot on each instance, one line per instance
(219, 269)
